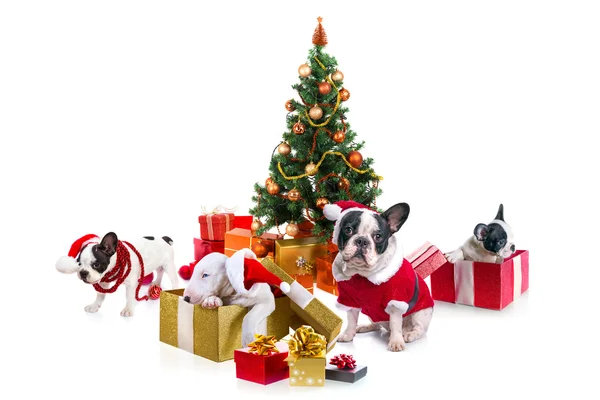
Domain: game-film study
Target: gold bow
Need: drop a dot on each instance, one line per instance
(306, 266)
(217, 210)
(263, 345)
(306, 343)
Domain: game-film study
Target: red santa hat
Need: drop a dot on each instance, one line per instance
(244, 270)
(337, 211)
(68, 264)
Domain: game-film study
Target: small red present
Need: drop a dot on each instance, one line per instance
(214, 226)
(204, 247)
(243, 221)
(263, 362)
(426, 259)
(480, 284)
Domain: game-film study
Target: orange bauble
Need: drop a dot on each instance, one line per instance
(284, 149)
(260, 249)
(344, 183)
(298, 128)
(344, 94)
(339, 137)
(315, 112)
(324, 88)
(322, 202)
(289, 106)
(355, 159)
(292, 229)
(293, 195)
(268, 182)
(273, 188)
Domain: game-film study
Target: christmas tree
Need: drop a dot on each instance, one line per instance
(318, 162)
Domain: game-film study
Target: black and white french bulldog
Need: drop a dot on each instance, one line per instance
(490, 243)
(373, 276)
(93, 259)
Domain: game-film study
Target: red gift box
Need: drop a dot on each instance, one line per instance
(262, 369)
(426, 259)
(204, 247)
(214, 226)
(484, 285)
(243, 221)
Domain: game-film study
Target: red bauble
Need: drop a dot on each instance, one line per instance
(355, 158)
(154, 292)
(324, 88)
(185, 272)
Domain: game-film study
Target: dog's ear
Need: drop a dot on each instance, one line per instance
(480, 232)
(108, 245)
(500, 213)
(396, 216)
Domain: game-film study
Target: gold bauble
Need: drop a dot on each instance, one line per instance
(293, 195)
(337, 76)
(344, 94)
(255, 225)
(304, 70)
(322, 202)
(355, 158)
(273, 188)
(311, 169)
(298, 128)
(284, 149)
(289, 106)
(268, 182)
(324, 88)
(339, 137)
(260, 249)
(292, 229)
(315, 112)
(344, 183)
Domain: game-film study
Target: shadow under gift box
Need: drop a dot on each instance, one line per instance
(262, 369)
(214, 334)
(484, 285)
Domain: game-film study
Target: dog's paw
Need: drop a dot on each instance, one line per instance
(396, 345)
(127, 312)
(346, 337)
(454, 256)
(411, 336)
(92, 308)
(212, 302)
(367, 328)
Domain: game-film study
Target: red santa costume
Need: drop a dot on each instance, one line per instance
(397, 285)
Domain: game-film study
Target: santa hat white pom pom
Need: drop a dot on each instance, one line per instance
(67, 265)
(285, 287)
(332, 211)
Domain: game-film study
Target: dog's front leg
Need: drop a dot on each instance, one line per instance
(253, 321)
(95, 306)
(455, 256)
(130, 301)
(350, 330)
(396, 342)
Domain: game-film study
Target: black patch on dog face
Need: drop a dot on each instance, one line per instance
(495, 238)
(102, 259)
(149, 237)
(348, 227)
(382, 235)
(168, 240)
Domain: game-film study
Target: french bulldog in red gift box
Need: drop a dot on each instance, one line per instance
(374, 277)
(490, 243)
(106, 264)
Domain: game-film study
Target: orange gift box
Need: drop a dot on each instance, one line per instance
(325, 280)
(238, 238)
(306, 280)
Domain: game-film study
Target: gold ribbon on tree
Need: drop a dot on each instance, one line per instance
(306, 343)
(337, 153)
(263, 345)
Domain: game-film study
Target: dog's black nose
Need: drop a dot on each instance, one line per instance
(361, 241)
(83, 274)
(186, 299)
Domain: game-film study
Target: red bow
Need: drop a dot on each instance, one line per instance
(344, 361)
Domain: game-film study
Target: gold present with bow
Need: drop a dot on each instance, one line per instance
(306, 358)
(288, 251)
(212, 333)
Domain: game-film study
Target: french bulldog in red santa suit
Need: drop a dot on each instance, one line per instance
(373, 276)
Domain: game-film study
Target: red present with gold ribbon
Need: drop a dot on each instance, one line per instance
(426, 259)
(214, 226)
(264, 361)
(325, 280)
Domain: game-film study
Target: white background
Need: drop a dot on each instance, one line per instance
(132, 115)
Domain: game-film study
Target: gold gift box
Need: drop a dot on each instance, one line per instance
(307, 371)
(212, 333)
(312, 312)
(287, 252)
